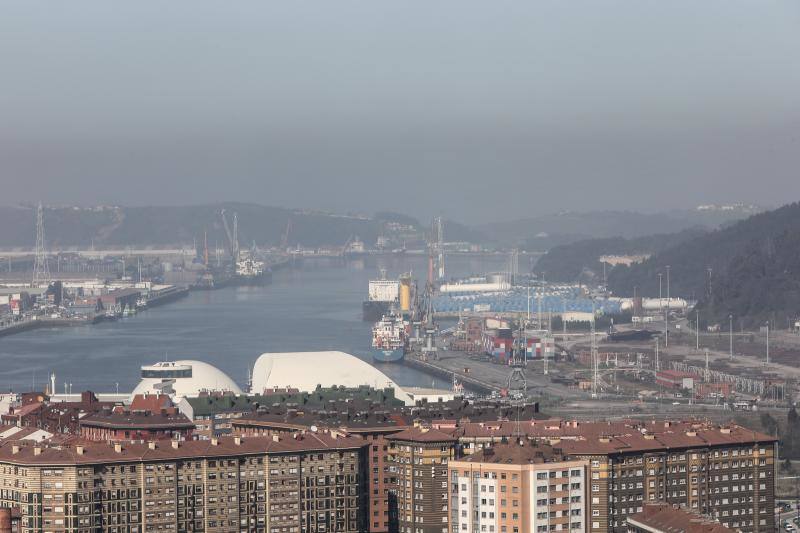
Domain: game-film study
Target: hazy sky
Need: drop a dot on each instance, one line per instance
(481, 110)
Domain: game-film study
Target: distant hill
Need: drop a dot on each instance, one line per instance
(176, 225)
(579, 261)
(750, 268)
(73, 226)
(542, 232)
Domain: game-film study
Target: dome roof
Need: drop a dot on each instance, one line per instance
(191, 378)
(306, 370)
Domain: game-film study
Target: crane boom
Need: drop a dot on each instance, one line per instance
(233, 245)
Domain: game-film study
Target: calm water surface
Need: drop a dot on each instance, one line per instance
(314, 307)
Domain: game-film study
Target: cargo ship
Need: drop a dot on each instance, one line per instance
(250, 271)
(382, 295)
(389, 339)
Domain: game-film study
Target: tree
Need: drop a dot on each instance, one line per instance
(769, 423)
(791, 439)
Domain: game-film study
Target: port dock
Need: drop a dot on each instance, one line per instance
(479, 374)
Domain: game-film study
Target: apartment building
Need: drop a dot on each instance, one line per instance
(521, 487)
(724, 471)
(418, 460)
(306, 483)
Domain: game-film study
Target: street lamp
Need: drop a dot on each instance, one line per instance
(767, 341)
(697, 330)
(730, 329)
(660, 301)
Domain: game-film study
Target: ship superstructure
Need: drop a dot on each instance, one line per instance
(389, 339)
(382, 295)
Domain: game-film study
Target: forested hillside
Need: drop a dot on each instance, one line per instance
(579, 261)
(750, 269)
(165, 225)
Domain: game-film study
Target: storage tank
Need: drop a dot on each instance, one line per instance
(650, 304)
(497, 278)
(405, 293)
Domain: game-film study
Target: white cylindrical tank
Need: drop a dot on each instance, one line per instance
(652, 304)
(474, 287)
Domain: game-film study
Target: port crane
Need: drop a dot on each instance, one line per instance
(285, 236)
(517, 383)
(233, 235)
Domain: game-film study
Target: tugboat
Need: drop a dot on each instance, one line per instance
(389, 339)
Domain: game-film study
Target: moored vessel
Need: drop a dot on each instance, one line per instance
(389, 339)
(382, 295)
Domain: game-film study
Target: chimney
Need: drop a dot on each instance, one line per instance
(175, 444)
(725, 431)
(15, 449)
(237, 440)
(691, 433)
(214, 441)
(276, 438)
(79, 450)
(151, 445)
(118, 447)
(37, 450)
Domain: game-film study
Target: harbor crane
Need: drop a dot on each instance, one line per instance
(285, 236)
(233, 235)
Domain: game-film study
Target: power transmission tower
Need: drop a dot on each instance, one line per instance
(41, 272)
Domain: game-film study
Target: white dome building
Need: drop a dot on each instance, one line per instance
(182, 379)
(305, 370)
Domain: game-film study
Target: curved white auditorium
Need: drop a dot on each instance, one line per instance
(185, 378)
(305, 370)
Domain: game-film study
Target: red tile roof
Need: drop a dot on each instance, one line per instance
(137, 451)
(153, 403)
(674, 519)
(621, 436)
(417, 434)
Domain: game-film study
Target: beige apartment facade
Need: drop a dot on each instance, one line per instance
(517, 488)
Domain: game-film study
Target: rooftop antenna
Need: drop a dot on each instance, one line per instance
(41, 272)
(518, 426)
